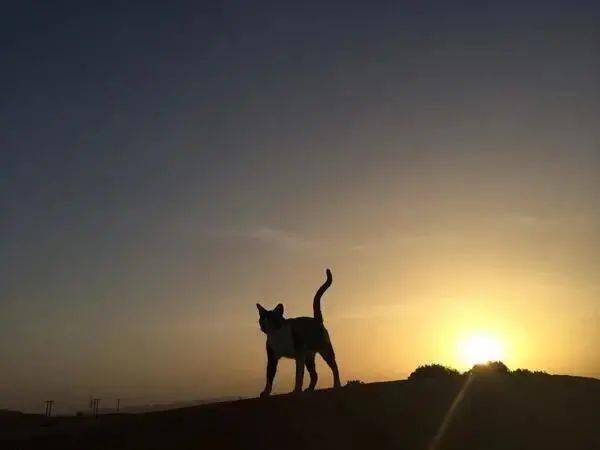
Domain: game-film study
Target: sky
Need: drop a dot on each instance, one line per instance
(165, 167)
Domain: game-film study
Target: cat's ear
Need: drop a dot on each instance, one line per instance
(279, 309)
(262, 311)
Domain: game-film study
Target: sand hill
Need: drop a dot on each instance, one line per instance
(492, 412)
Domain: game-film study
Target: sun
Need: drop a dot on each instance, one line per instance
(480, 348)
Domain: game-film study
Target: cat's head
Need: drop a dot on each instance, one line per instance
(270, 320)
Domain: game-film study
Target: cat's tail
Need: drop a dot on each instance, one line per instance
(319, 294)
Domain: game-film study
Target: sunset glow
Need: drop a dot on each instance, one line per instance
(163, 168)
(481, 348)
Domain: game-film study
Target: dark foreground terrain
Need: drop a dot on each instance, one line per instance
(494, 412)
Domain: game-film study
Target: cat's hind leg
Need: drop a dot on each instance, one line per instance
(310, 366)
(300, 361)
(329, 356)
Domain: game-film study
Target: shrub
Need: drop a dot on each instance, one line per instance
(352, 383)
(489, 368)
(529, 373)
(434, 371)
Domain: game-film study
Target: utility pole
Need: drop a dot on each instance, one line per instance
(49, 404)
(118, 404)
(95, 402)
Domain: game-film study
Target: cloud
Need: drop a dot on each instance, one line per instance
(264, 234)
(278, 237)
(527, 220)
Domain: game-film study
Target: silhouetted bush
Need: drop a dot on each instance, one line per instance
(439, 371)
(490, 367)
(435, 371)
(352, 383)
(529, 373)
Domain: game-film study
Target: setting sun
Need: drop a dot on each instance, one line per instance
(481, 348)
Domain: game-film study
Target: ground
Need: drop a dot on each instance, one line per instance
(494, 412)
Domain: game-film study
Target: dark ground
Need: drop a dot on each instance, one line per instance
(497, 412)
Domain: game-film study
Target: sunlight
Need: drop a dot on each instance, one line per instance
(481, 348)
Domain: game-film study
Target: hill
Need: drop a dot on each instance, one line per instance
(492, 411)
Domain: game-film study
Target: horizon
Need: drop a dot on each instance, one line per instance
(108, 406)
(166, 168)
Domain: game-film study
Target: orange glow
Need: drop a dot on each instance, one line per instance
(481, 348)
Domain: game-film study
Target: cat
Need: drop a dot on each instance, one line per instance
(300, 338)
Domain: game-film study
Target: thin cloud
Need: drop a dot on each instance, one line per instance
(525, 220)
(281, 238)
(264, 234)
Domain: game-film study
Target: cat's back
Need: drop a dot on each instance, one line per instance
(310, 330)
(305, 323)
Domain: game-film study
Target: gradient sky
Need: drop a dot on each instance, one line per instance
(163, 168)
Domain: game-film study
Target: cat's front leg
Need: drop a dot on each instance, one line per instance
(300, 362)
(272, 361)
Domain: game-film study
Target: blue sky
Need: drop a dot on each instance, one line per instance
(164, 168)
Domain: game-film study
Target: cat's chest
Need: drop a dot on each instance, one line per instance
(282, 342)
